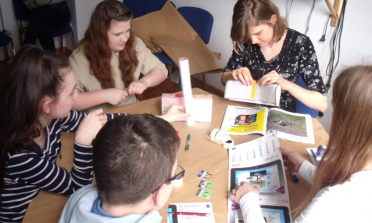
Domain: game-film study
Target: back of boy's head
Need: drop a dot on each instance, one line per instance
(132, 156)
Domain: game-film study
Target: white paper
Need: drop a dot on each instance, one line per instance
(186, 89)
(259, 162)
(256, 94)
(197, 207)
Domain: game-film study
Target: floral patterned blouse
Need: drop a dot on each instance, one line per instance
(297, 57)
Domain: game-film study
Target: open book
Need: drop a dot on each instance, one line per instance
(259, 162)
(256, 94)
(250, 120)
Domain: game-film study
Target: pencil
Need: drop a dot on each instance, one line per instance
(188, 213)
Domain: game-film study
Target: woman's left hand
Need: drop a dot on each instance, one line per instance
(137, 87)
(274, 78)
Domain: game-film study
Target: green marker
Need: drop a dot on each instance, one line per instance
(188, 142)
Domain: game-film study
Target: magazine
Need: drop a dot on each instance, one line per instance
(198, 212)
(259, 162)
(256, 94)
(258, 120)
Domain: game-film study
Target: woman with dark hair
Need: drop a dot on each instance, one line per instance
(109, 60)
(36, 101)
(267, 51)
(341, 182)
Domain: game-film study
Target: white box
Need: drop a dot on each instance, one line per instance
(202, 103)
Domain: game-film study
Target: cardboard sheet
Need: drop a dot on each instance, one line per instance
(166, 30)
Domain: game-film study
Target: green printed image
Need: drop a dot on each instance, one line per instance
(287, 123)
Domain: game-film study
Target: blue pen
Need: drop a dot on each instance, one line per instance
(295, 178)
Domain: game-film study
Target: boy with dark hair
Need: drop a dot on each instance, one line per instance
(134, 161)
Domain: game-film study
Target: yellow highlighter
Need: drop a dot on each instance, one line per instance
(253, 90)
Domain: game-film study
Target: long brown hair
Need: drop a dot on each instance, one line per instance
(249, 13)
(33, 75)
(96, 48)
(350, 142)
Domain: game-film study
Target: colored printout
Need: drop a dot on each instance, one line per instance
(260, 163)
(260, 120)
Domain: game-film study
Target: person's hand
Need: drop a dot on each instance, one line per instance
(292, 160)
(274, 78)
(137, 87)
(90, 126)
(115, 96)
(244, 75)
(175, 112)
(241, 190)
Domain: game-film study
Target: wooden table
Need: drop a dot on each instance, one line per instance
(203, 155)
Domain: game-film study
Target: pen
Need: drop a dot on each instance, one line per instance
(188, 213)
(188, 142)
(295, 178)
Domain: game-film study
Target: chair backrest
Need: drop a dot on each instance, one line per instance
(21, 11)
(300, 107)
(4, 39)
(138, 7)
(154, 5)
(143, 7)
(199, 19)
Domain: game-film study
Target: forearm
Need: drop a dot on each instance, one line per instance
(251, 209)
(89, 99)
(82, 170)
(312, 99)
(225, 77)
(154, 77)
(307, 171)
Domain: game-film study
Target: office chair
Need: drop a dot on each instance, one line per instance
(138, 7)
(6, 38)
(143, 7)
(300, 107)
(201, 21)
(22, 14)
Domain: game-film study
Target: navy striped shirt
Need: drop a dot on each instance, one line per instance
(27, 172)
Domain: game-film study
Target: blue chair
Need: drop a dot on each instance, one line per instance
(300, 107)
(138, 7)
(143, 7)
(22, 14)
(6, 39)
(201, 21)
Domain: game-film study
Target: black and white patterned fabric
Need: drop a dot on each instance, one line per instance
(297, 57)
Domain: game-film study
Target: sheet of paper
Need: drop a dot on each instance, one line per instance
(197, 207)
(259, 162)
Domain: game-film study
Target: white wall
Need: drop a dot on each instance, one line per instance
(356, 45)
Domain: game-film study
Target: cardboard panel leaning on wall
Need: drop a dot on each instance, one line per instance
(167, 30)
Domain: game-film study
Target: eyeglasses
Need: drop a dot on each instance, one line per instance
(176, 177)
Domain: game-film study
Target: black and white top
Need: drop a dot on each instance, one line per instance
(297, 57)
(27, 172)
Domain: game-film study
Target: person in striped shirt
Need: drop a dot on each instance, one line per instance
(36, 101)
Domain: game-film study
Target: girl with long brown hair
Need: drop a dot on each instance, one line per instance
(109, 60)
(341, 182)
(36, 101)
(267, 51)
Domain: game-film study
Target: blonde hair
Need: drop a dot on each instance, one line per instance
(350, 141)
(249, 13)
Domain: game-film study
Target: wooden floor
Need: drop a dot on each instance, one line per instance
(166, 86)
